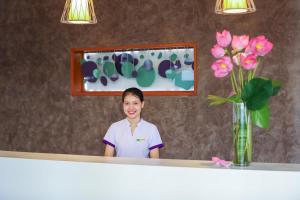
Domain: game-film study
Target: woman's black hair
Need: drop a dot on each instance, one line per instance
(134, 91)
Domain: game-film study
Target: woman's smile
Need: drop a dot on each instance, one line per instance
(131, 112)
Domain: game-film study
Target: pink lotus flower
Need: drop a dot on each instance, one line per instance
(248, 62)
(239, 42)
(217, 51)
(259, 46)
(224, 38)
(222, 67)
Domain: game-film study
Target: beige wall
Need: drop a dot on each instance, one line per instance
(38, 114)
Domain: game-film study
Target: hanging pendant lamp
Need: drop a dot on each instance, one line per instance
(79, 12)
(230, 7)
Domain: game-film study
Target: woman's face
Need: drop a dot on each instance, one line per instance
(132, 106)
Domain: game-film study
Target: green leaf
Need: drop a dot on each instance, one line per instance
(275, 84)
(235, 99)
(261, 117)
(216, 100)
(276, 87)
(256, 93)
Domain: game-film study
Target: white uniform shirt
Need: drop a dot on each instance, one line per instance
(145, 138)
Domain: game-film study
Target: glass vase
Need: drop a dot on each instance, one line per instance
(242, 135)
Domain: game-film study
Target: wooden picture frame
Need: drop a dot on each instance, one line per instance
(151, 68)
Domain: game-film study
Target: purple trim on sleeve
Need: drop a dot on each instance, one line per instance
(157, 146)
(107, 142)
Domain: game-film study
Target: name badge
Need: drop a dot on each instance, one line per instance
(140, 139)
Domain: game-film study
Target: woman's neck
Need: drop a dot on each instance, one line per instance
(134, 121)
(133, 124)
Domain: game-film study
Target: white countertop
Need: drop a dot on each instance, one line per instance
(154, 162)
(41, 176)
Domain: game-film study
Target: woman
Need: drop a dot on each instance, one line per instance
(132, 136)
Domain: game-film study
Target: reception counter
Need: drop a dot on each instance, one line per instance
(38, 176)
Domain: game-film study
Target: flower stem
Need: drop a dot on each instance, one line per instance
(232, 84)
(250, 75)
(236, 89)
(241, 77)
(235, 85)
(254, 71)
(259, 61)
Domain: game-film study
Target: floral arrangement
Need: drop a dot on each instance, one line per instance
(238, 58)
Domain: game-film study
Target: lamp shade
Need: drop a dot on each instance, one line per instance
(235, 6)
(79, 12)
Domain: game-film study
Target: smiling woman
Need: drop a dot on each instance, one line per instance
(133, 136)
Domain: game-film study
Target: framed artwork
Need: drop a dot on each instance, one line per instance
(163, 69)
